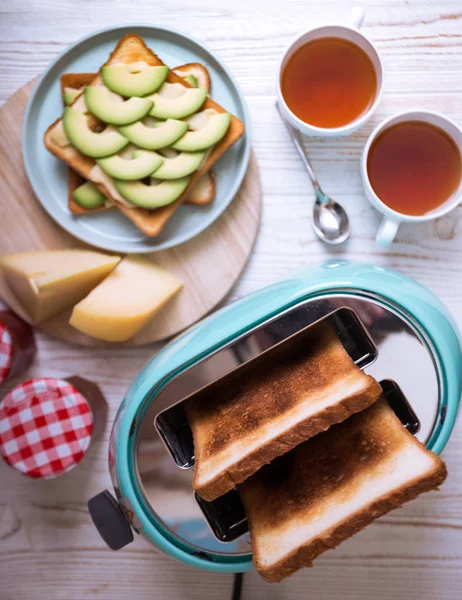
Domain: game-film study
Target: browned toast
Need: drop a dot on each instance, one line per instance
(198, 71)
(269, 406)
(131, 48)
(332, 486)
(204, 190)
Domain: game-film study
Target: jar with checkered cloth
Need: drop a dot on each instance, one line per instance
(46, 426)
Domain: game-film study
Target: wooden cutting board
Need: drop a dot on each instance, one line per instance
(209, 264)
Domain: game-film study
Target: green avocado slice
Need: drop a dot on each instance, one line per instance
(192, 80)
(99, 102)
(152, 196)
(88, 196)
(215, 129)
(153, 138)
(70, 94)
(179, 106)
(179, 166)
(124, 80)
(141, 165)
(96, 145)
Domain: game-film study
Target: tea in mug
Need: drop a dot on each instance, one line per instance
(329, 82)
(414, 167)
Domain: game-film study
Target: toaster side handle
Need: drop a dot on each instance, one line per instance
(110, 520)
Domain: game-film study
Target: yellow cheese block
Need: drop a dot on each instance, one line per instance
(48, 282)
(122, 305)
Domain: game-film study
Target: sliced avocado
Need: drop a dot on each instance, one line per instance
(191, 80)
(99, 102)
(181, 165)
(178, 106)
(88, 196)
(215, 129)
(96, 145)
(126, 80)
(152, 138)
(141, 165)
(198, 71)
(152, 196)
(70, 94)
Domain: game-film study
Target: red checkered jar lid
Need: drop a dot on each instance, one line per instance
(6, 352)
(45, 427)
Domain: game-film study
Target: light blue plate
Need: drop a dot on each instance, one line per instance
(48, 176)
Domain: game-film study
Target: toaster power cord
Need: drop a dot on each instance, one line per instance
(237, 586)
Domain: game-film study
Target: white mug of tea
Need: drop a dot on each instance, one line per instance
(330, 79)
(411, 169)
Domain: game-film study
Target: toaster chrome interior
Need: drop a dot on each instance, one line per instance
(382, 340)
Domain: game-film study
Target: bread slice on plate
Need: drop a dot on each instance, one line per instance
(200, 74)
(204, 190)
(332, 486)
(132, 49)
(270, 406)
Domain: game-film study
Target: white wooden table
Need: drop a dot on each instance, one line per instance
(48, 546)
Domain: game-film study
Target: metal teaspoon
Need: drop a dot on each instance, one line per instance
(330, 221)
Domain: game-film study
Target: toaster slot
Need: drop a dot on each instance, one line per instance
(172, 424)
(354, 337)
(174, 429)
(225, 516)
(400, 405)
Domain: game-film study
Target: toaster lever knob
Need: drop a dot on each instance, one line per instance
(110, 521)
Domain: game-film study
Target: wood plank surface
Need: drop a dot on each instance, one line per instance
(48, 547)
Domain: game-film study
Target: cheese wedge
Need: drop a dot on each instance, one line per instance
(48, 282)
(118, 308)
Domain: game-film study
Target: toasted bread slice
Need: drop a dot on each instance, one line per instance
(131, 48)
(204, 190)
(76, 81)
(270, 406)
(332, 486)
(198, 71)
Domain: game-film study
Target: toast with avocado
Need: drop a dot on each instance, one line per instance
(196, 75)
(84, 197)
(80, 139)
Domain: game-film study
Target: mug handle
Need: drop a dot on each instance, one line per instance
(387, 232)
(357, 16)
